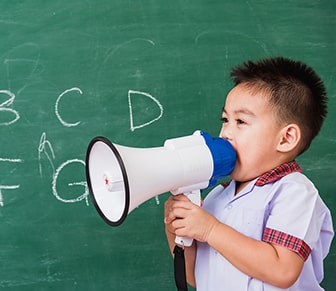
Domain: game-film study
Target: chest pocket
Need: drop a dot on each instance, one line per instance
(253, 222)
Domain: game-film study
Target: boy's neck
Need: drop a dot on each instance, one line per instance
(240, 186)
(272, 175)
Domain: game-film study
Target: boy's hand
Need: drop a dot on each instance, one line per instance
(184, 218)
(167, 209)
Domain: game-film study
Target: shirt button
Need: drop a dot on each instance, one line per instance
(229, 206)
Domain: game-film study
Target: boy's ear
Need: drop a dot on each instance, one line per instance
(290, 137)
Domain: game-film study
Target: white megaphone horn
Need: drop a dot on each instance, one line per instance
(120, 178)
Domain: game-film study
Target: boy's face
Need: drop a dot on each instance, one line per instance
(250, 126)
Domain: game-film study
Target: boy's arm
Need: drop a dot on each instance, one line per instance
(267, 262)
(270, 263)
(189, 252)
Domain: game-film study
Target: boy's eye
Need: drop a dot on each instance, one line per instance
(239, 121)
(224, 119)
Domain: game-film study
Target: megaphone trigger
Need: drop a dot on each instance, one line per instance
(194, 197)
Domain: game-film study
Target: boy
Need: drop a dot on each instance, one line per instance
(268, 229)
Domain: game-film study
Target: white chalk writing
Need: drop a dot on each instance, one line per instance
(44, 148)
(131, 94)
(67, 124)
(8, 187)
(81, 183)
(4, 107)
(28, 56)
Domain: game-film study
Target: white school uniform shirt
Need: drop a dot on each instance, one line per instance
(285, 209)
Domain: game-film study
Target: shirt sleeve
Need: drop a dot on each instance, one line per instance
(295, 219)
(293, 243)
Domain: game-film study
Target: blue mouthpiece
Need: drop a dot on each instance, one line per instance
(223, 155)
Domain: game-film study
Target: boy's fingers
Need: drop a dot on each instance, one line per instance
(176, 212)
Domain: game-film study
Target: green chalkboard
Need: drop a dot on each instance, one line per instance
(138, 72)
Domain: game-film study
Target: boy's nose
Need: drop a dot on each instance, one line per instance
(225, 133)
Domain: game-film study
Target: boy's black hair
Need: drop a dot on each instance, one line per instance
(297, 93)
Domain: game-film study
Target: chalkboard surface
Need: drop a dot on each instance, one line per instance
(137, 72)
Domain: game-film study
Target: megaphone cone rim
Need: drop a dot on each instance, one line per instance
(124, 174)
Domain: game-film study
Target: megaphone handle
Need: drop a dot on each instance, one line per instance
(195, 197)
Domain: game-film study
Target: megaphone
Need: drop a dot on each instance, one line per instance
(121, 178)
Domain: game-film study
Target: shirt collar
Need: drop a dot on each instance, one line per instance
(278, 172)
(275, 174)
